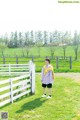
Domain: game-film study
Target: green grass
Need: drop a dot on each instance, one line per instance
(44, 51)
(64, 105)
(64, 65)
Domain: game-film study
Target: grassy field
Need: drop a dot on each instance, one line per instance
(44, 51)
(64, 104)
(64, 65)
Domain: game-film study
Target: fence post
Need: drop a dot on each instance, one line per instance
(32, 58)
(70, 62)
(3, 60)
(32, 76)
(16, 59)
(9, 69)
(11, 91)
(57, 66)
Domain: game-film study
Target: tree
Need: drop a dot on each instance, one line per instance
(11, 43)
(65, 41)
(45, 37)
(51, 37)
(64, 45)
(15, 39)
(6, 39)
(52, 50)
(27, 49)
(55, 37)
(20, 39)
(76, 41)
(39, 37)
(26, 37)
(31, 41)
(2, 48)
(39, 45)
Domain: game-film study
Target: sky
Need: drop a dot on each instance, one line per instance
(23, 15)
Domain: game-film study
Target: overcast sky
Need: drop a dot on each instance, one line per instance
(23, 15)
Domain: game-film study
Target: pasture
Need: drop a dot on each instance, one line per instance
(43, 51)
(38, 54)
(64, 104)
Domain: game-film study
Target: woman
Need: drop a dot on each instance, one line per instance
(47, 78)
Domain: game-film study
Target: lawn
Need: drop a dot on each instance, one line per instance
(64, 104)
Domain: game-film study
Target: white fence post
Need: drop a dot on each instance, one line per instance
(9, 69)
(32, 76)
(11, 90)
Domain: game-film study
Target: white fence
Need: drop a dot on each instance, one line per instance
(14, 88)
(13, 69)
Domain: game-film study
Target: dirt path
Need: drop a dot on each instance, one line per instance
(75, 76)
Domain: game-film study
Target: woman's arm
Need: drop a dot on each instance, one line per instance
(51, 76)
(42, 74)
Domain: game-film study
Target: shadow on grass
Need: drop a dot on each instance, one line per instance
(32, 104)
(15, 101)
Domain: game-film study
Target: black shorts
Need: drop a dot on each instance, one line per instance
(47, 85)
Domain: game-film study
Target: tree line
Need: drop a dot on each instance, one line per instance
(40, 39)
(18, 39)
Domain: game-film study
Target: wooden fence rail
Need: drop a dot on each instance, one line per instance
(59, 62)
(22, 60)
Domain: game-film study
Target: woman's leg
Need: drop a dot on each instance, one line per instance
(44, 90)
(50, 91)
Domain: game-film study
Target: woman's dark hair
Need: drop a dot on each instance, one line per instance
(47, 59)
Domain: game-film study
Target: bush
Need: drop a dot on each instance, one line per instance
(12, 44)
